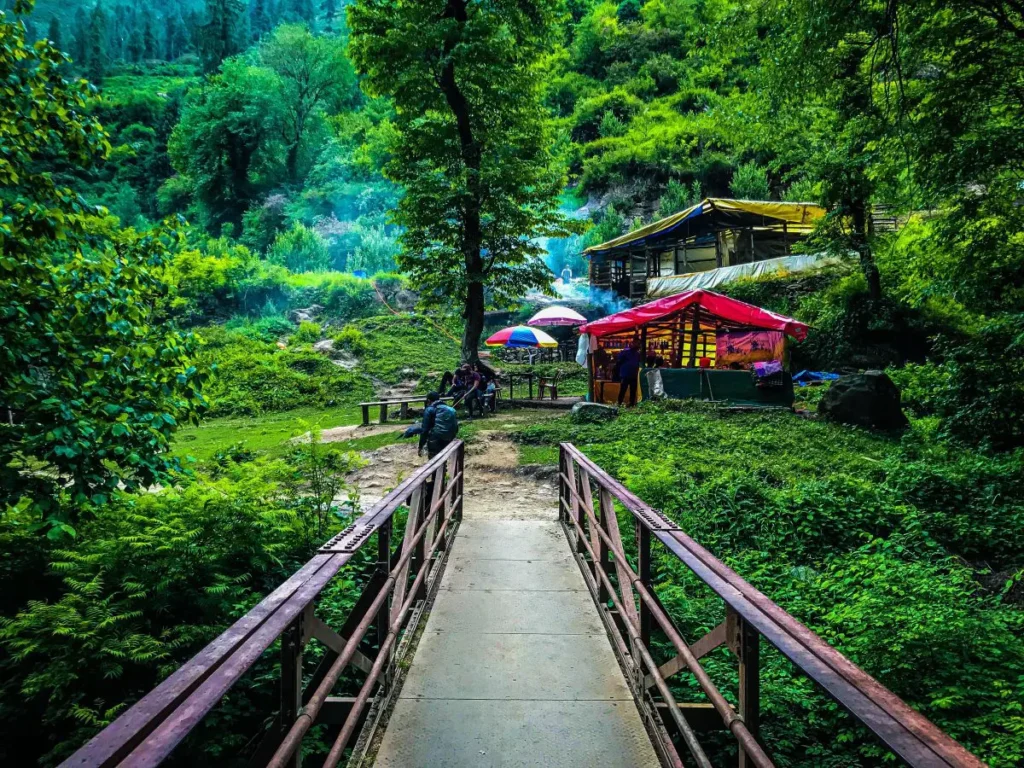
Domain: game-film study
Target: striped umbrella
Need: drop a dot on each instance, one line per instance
(521, 336)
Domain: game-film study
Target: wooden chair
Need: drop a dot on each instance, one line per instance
(550, 384)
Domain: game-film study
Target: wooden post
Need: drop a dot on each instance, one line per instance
(366, 414)
(686, 261)
(590, 378)
(291, 682)
(403, 410)
(785, 238)
(383, 413)
(694, 333)
(718, 249)
(750, 683)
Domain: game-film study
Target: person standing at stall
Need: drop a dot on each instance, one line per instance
(628, 365)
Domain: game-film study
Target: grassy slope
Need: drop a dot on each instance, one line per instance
(406, 347)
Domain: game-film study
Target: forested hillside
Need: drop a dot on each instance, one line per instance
(225, 223)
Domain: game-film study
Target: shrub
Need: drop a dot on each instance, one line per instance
(308, 333)
(352, 339)
(300, 249)
(750, 182)
(151, 580)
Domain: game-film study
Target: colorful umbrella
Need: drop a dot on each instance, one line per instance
(521, 336)
(557, 316)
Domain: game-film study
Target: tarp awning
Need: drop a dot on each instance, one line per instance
(732, 310)
(715, 214)
(669, 285)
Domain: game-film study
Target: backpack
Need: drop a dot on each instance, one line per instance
(446, 422)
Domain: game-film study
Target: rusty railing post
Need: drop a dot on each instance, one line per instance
(421, 501)
(603, 558)
(383, 619)
(291, 681)
(643, 544)
(563, 497)
(749, 652)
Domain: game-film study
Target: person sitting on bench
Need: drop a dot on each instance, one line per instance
(474, 390)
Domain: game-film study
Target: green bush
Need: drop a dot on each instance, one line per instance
(300, 249)
(406, 347)
(147, 583)
(308, 333)
(353, 340)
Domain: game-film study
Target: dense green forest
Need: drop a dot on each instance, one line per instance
(224, 223)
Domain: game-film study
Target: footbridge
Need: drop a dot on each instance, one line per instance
(491, 635)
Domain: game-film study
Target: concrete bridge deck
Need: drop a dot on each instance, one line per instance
(514, 667)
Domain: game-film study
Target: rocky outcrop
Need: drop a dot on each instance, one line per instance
(307, 315)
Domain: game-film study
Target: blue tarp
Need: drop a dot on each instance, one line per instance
(810, 377)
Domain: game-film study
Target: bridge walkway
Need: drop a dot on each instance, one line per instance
(514, 667)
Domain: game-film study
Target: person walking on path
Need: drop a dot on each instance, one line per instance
(440, 426)
(628, 364)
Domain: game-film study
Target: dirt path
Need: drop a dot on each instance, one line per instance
(495, 485)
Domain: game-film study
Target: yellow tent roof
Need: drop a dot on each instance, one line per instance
(799, 218)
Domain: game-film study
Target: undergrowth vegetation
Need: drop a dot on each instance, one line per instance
(907, 555)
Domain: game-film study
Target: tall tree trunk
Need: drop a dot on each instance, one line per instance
(858, 212)
(472, 234)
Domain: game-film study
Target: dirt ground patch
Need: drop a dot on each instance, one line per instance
(355, 431)
(495, 485)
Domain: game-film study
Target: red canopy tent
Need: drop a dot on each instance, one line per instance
(696, 329)
(732, 311)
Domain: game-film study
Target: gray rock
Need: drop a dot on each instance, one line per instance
(325, 346)
(587, 413)
(307, 315)
(406, 300)
(868, 399)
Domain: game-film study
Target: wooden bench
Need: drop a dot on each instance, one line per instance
(403, 406)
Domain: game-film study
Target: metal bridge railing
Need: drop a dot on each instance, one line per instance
(593, 531)
(147, 733)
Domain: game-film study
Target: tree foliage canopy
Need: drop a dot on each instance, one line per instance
(94, 381)
(473, 147)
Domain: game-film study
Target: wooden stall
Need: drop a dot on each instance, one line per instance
(703, 345)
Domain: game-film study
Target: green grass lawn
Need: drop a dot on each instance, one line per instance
(268, 432)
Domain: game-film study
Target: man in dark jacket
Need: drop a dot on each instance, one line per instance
(628, 363)
(440, 426)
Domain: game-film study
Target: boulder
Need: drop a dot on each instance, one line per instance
(589, 413)
(324, 346)
(406, 300)
(868, 399)
(307, 315)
